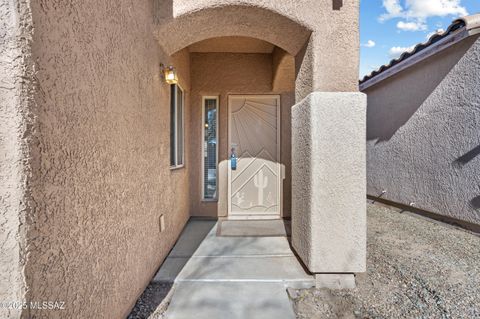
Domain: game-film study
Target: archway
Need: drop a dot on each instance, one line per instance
(328, 124)
(177, 33)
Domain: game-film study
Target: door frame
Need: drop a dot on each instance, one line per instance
(279, 166)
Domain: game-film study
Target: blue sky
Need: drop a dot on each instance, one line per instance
(389, 27)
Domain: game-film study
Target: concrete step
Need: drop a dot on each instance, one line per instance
(251, 268)
(199, 238)
(230, 277)
(232, 300)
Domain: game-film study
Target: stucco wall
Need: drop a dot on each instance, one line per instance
(100, 158)
(14, 116)
(423, 134)
(221, 74)
(328, 182)
(97, 139)
(330, 27)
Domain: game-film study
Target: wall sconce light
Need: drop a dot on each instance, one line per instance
(169, 74)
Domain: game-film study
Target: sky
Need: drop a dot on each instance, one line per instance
(390, 27)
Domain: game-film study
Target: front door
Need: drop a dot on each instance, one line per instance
(255, 185)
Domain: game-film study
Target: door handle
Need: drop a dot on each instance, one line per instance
(233, 160)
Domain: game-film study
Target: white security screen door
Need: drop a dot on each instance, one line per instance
(255, 185)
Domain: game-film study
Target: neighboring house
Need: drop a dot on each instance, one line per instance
(103, 162)
(423, 126)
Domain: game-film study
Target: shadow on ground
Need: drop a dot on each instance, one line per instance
(153, 302)
(240, 274)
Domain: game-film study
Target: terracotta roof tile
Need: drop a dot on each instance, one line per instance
(470, 23)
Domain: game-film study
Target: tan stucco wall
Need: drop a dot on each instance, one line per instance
(234, 44)
(221, 74)
(100, 159)
(328, 182)
(330, 62)
(423, 134)
(91, 170)
(15, 84)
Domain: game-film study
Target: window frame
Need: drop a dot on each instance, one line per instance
(175, 129)
(202, 146)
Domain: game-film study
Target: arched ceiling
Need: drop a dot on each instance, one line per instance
(176, 33)
(232, 45)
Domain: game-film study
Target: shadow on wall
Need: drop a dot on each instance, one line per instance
(303, 64)
(337, 4)
(395, 100)
(464, 159)
(475, 203)
(163, 9)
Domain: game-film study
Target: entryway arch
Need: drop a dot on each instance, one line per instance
(176, 33)
(328, 118)
(261, 76)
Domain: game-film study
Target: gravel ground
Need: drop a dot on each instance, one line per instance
(153, 302)
(417, 268)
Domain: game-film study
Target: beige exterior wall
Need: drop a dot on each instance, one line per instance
(329, 183)
(100, 174)
(15, 84)
(86, 131)
(221, 74)
(328, 63)
(423, 134)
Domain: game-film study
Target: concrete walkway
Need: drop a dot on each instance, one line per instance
(230, 277)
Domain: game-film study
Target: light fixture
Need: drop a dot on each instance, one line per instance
(169, 74)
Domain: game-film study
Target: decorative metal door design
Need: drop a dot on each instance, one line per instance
(255, 182)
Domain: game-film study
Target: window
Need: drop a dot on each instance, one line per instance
(209, 147)
(176, 126)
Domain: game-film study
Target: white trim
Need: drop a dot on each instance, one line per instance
(202, 168)
(279, 172)
(176, 166)
(417, 57)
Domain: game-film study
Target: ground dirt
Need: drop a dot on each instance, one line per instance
(417, 268)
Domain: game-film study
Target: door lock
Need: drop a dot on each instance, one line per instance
(233, 159)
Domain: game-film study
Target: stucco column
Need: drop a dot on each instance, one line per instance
(329, 61)
(329, 185)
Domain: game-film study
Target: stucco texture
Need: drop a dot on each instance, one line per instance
(221, 74)
(85, 116)
(423, 134)
(328, 182)
(328, 63)
(100, 159)
(15, 86)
